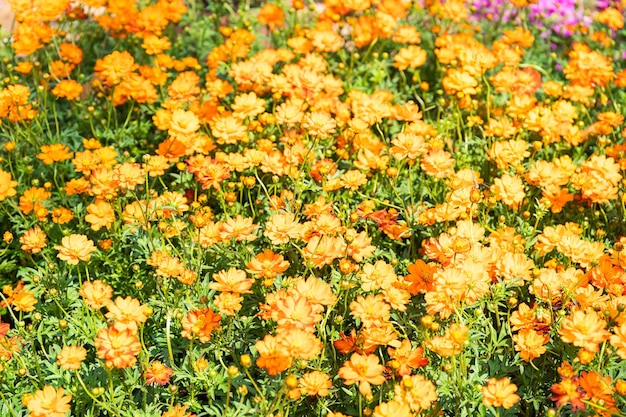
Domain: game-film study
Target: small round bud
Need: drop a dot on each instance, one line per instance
(392, 172)
(291, 382)
(426, 321)
(232, 371)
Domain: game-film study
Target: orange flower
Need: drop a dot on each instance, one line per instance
(405, 358)
(410, 57)
(323, 251)
(128, 175)
(7, 185)
(363, 369)
(33, 199)
(514, 268)
(598, 179)
(200, 323)
(584, 329)
(588, 68)
(24, 301)
(527, 318)
(49, 402)
(157, 373)
(611, 17)
(283, 227)
(508, 152)
(567, 392)
(71, 53)
(416, 391)
(500, 393)
(361, 246)
(96, 294)
(68, 89)
(353, 343)
(154, 45)
(296, 312)
(377, 276)
(76, 186)
(167, 265)
(271, 15)
(273, 355)
(233, 280)
(408, 146)
(459, 81)
(316, 383)
(127, 311)
(75, 248)
(228, 303)
(598, 393)
(248, 106)
(371, 310)
(510, 190)
(451, 343)
(178, 411)
(352, 179)
(114, 67)
(24, 67)
(4, 329)
(33, 240)
(392, 408)
(229, 130)
(300, 344)
(530, 344)
(118, 345)
(407, 34)
(319, 124)
(156, 165)
(316, 291)
(267, 265)
(100, 215)
(326, 40)
(62, 215)
(239, 228)
(289, 113)
(70, 357)
(438, 163)
(420, 278)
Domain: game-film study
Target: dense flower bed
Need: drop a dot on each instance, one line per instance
(358, 208)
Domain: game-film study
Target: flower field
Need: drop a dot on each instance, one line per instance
(385, 208)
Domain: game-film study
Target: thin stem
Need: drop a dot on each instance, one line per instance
(95, 400)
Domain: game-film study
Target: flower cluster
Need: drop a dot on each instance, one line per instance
(356, 208)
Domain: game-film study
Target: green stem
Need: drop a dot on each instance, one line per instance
(95, 400)
(168, 323)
